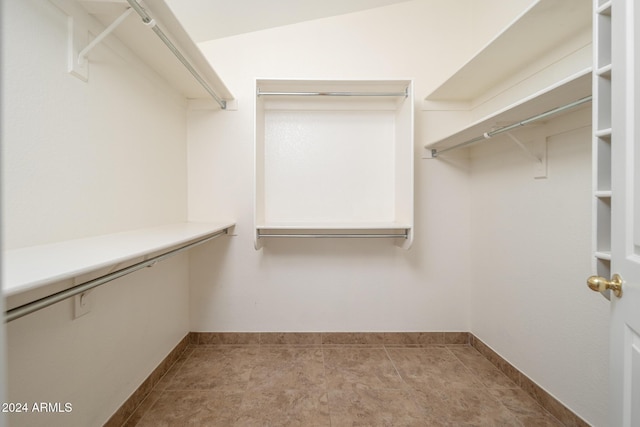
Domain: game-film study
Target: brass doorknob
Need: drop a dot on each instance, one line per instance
(600, 284)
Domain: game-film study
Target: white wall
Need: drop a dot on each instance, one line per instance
(82, 159)
(318, 284)
(531, 244)
(96, 361)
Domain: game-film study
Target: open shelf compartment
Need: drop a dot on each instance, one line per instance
(334, 157)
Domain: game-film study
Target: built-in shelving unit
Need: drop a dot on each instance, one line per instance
(36, 272)
(334, 159)
(601, 151)
(541, 61)
(148, 47)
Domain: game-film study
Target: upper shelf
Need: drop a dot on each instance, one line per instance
(541, 61)
(150, 49)
(541, 28)
(34, 272)
(557, 95)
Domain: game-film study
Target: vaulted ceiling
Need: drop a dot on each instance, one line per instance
(214, 19)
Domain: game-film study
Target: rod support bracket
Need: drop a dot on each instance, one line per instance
(538, 154)
(78, 61)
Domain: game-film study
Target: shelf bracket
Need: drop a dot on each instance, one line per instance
(78, 65)
(539, 157)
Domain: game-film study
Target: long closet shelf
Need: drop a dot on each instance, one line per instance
(141, 40)
(538, 30)
(563, 92)
(35, 272)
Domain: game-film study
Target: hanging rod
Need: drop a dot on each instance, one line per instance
(23, 310)
(405, 93)
(487, 135)
(322, 235)
(150, 22)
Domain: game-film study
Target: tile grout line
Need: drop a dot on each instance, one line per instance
(407, 386)
(395, 368)
(485, 388)
(326, 380)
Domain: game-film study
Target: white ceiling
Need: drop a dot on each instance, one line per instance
(214, 19)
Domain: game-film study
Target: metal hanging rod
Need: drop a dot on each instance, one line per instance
(487, 135)
(405, 93)
(322, 235)
(149, 22)
(23, 310)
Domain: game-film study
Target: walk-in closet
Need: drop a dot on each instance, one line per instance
(336, 213)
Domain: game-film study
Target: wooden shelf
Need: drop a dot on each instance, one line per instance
(34, 272)
(149, 48)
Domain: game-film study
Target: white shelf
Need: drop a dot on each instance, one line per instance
(605, 194)
(603, 133)
(149, 48)
(604, 9)
(540, 29)
(606, 256)
(33, 269)
(604, 71)
(335, 226)
(340, 159)
(601, 145)
(563, 92)
(538, 62)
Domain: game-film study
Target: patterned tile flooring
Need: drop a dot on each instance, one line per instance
(337, 385)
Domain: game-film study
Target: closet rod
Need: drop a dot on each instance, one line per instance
(366, 236)
(150, 22)
(487, 135)
(405, 93)
(23, 310)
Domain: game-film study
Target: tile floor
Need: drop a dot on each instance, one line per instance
(336, 385)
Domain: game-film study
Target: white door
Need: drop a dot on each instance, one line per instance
(625, 211)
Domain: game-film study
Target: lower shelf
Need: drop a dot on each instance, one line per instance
(401, 232)
(37, 272)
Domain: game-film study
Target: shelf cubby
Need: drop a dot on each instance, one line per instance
(334, 157)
